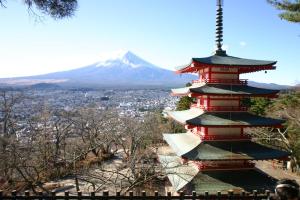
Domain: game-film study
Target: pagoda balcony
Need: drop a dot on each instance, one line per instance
(202, 166)
(223, 81)
(210, 137)
(224, 137)
(221, 108)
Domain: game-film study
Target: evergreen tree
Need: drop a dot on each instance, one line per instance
(290, 8)
(185, 102)
(57, 9)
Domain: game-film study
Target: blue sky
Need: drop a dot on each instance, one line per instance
(167, 33)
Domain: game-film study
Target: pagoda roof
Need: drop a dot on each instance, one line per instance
(188, 141)
(232, 61)
(232, 119)
(220, 89)
(236, 180)
(184, 115)
(198, 117)
(220, 150)
(224, 60)
(179, 175)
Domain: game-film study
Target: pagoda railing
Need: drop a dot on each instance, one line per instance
(223, 81)
(220, 108)
(209, 166)
(225, 137)
(221, 137)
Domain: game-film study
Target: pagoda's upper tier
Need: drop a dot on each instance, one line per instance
(244, 65)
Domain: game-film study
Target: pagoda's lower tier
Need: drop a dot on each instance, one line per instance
(190, 147)
(187, 177)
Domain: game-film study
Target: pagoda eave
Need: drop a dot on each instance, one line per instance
(193, 94)
(233, 119)
(190, 126)
(194, 67)
(189, 147)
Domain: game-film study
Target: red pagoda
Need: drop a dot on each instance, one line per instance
(215, 154)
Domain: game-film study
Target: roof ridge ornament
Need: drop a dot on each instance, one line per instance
(219, 29)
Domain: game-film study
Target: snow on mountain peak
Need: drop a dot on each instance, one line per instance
(122, 57)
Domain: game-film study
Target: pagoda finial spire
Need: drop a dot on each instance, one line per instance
(219, 28)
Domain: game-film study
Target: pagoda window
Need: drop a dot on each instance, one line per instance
(224, 131)
(224, 76)
(225, 69)
(224, 103)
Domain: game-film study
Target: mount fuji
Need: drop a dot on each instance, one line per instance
(125, 69)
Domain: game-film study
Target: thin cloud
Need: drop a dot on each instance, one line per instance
(242, 43)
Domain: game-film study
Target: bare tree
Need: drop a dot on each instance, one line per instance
(8, 102)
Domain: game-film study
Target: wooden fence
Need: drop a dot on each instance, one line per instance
(131, 196)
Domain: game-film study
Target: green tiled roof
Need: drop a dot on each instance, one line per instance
(182, 116)
(182, 143)
(232, 119)
(232, 150)
(232, 90)
(179, 175)
(236, 180)
(233, 61)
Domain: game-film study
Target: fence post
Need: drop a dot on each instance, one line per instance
(53, 195)
(254, 194)
(268, 193)
(194, 194)
(181, 195)
(66, 197)
(14, 194)
(93, 195)
(118, 195)
(27, 193)
(206, 195)
(130, 195)
(219, 195)
(40, 194)
(105, 194)
(230, 194)
(169, 195)
(144, 195)
(1, 194)
(243, 194)
(156, 194)
(79, 194)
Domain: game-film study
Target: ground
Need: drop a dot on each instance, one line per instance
(276, 171)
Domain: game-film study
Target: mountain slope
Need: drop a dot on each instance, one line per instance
(126, 69)
(123, 70)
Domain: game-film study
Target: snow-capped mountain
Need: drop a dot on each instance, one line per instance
(123, 69)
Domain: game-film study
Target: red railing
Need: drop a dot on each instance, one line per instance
(225, 137)
(221, 166)
(223, 81)
(220, 108)
(206, 137)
